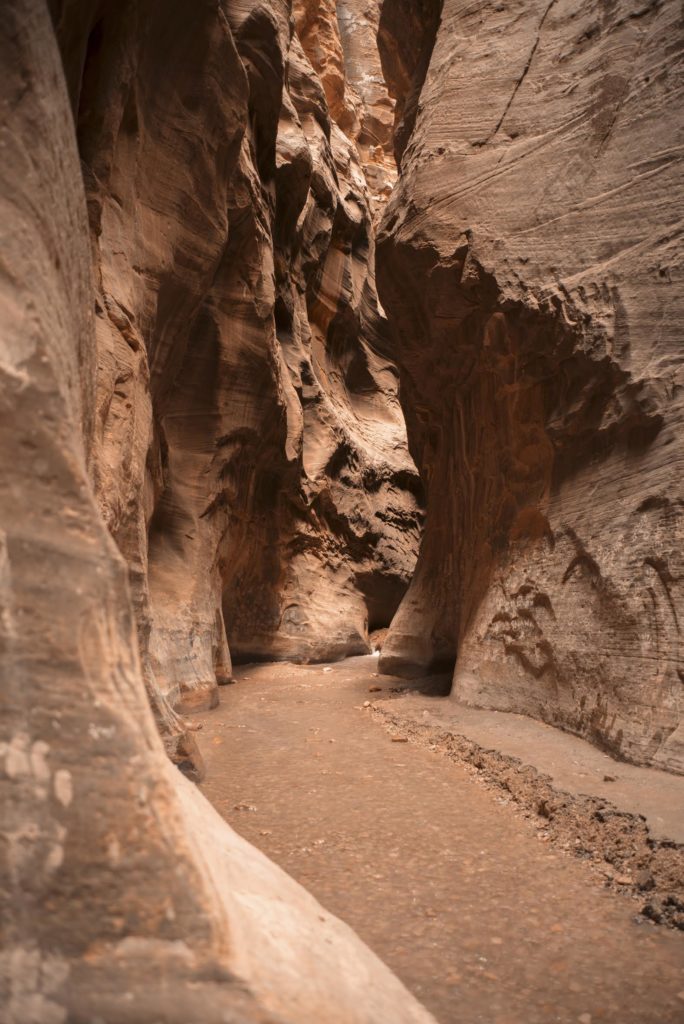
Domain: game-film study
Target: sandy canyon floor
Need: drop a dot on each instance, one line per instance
(457, 889)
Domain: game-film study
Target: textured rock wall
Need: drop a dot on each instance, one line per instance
(530, 260)
(123, 896)
(248, 450)
(340, 40)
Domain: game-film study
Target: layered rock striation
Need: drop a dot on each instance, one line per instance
(204, 454)
(247, 445)
(530, 262)
(123, 896)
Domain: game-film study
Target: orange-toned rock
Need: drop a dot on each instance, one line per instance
(340, 39)
(249, 451)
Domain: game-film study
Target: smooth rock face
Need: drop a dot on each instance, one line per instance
(249, 451)
(530, 261)
(123, 897)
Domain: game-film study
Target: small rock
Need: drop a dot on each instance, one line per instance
(545, 809)
(623, 879)
(244, 807)
(645, 880)
(328, 669)
(375, 689)
(652, 913)
(400, 739)
(366, 703)
(610, 778)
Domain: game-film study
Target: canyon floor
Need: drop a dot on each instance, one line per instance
(457, 887)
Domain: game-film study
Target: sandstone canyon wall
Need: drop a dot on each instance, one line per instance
(530, 261)
(248, 449)
(203, 451)
(123, 896)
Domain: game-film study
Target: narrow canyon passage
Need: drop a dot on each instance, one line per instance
(445, 882)
(321, 319)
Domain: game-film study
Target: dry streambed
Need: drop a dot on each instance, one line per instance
(616, 844)
(471, 891)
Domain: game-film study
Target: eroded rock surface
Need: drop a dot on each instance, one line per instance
(124, 898)
(248, 449)
(340, 40)
(531, 263)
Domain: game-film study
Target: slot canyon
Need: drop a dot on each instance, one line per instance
(341, 512)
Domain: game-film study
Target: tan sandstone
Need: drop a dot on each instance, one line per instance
(248, 448)
(124, 897)
(530, 261)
